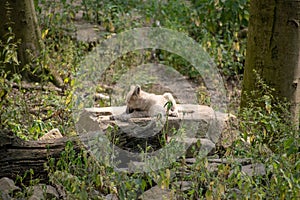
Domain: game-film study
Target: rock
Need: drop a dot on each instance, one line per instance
(190, 160)
(86, 123)
(99, 96)
(241, 161)
(52, 134)
(61, 191)
(87, 32)
(78, 15)
(223, 130)
(156, 193)
(183, 185)
(213, 167)
(5, 196)
(134, 166)
(42, 191)
(200, 146)
(197, 120)
(111, 197)
(235, 193)
(256, 169)
(7, 187)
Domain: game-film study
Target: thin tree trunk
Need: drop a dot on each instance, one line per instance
(20, 15)
(273, 50)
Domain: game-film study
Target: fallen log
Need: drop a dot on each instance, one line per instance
(18, 156)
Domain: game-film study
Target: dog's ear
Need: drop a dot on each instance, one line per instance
(137, 90)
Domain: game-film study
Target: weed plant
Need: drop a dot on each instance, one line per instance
(276, 148)
(267, 136)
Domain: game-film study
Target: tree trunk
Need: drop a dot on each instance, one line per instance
(20, 15)
(273, 50)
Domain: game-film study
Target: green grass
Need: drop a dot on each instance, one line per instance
(216, 25)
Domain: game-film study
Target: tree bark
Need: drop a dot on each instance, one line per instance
(20, 15)
(18, 156)
(273, 50)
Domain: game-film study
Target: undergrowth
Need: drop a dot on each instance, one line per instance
(267, 140)
(266, 134)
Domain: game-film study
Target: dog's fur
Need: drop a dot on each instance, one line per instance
(143, 104)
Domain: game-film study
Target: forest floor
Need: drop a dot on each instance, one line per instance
(245, 169)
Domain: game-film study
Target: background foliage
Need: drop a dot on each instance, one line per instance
(219, 26)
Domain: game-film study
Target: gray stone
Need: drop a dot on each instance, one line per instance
(213, 167)
(241, 161)
(5, 196)
(42, 191)
(156, 193)
(236, 193)
(61, 191)
(111, 197)
(87, 32)
(7, 186)
(223, 129)
(190, 160)
(52, 134)
(200, 146)
(194, 118)
(134, 166)
(183, 185)
(256, 169)
(197, 120)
